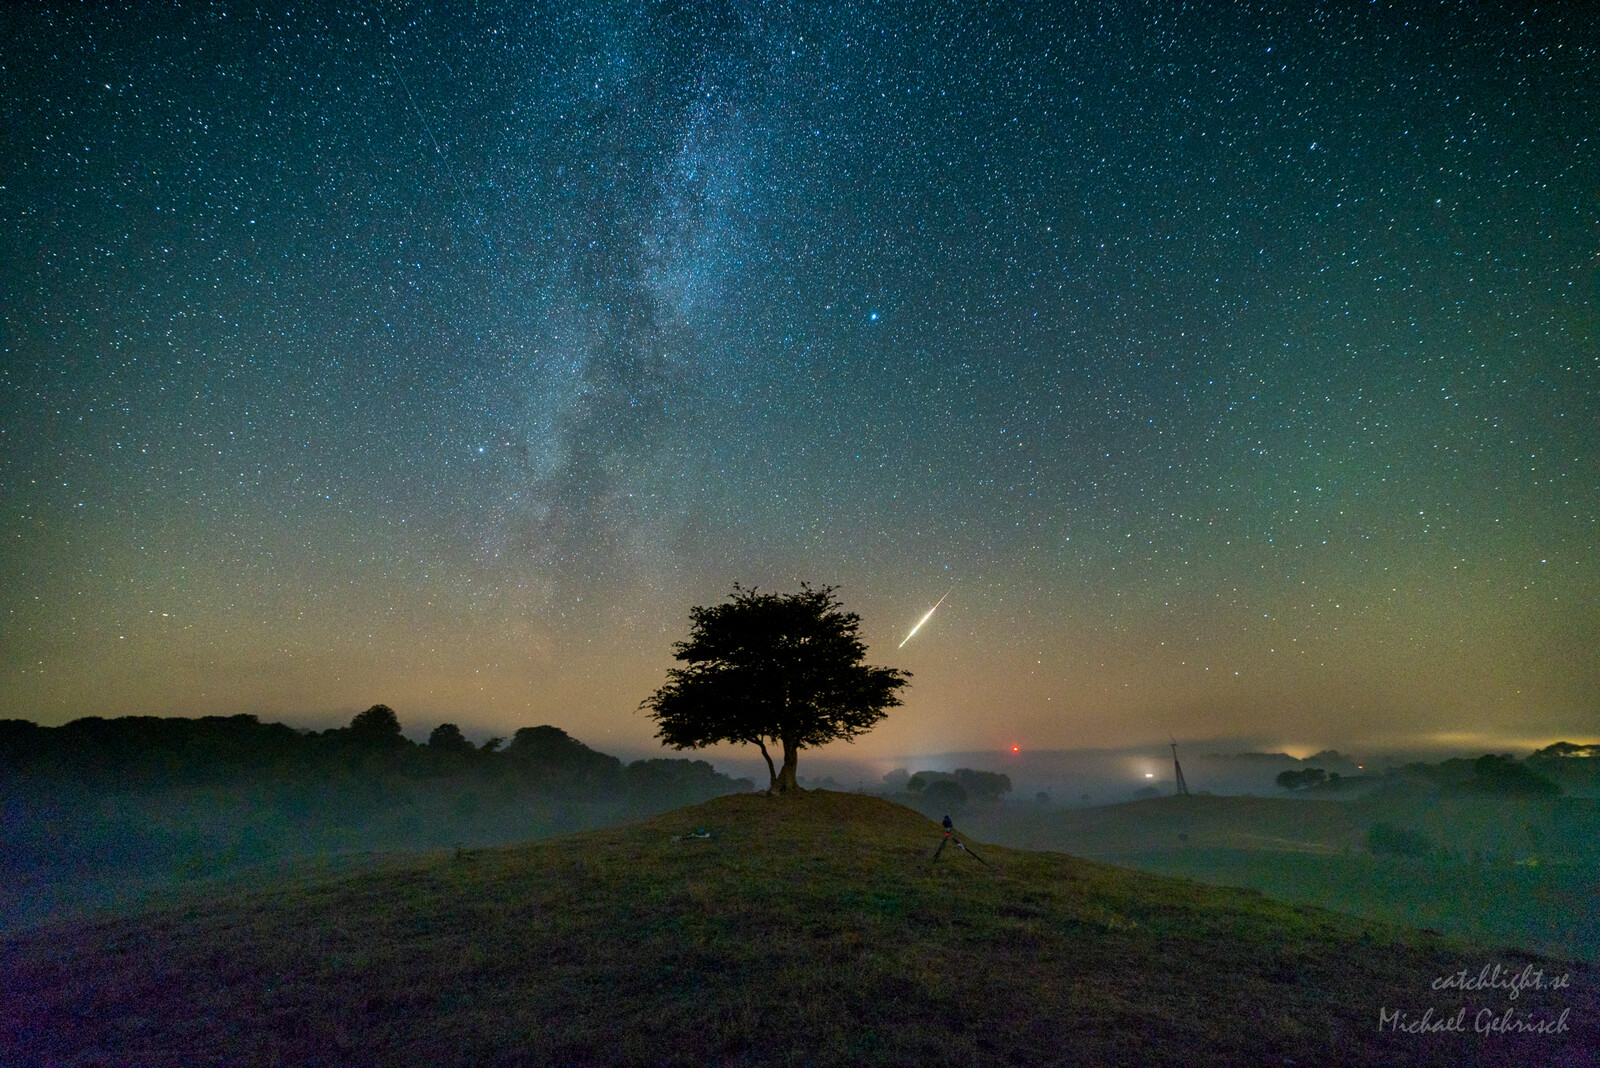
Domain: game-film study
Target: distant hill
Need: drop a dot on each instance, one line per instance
(803, 930)
(1503, 869)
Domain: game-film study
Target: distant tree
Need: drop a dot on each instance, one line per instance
(681, 781)
(984, 785)
(764, 667)
(978, 785)
(490, 745)
(924, 779)
(897, 779)
(944, 793)
(1301, 779)
(544, 744)
(550, 753)
(378, 725)
(447, 738)
(1503, 775)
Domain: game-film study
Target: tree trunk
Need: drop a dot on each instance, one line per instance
(786, 780)
(772, 772)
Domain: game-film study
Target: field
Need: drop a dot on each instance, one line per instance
(804, 930)
(1501, 871)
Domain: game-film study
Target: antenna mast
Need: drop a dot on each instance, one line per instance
(1177, 769)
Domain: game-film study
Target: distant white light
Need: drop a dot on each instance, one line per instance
(873, 317)
(1149, 774)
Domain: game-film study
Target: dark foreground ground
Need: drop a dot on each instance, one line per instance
(804, 930)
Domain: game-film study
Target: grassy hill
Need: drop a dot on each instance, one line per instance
(804, 930)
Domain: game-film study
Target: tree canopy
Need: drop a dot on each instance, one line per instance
(766, 667)
(447, 738)
(1302, 778)
(980, 785)
(1504, 775)
(377, 726)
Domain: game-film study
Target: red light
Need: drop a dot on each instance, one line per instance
(1016, 749)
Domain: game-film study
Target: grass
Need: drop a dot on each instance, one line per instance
(807, 930)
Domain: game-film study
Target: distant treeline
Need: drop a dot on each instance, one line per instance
(151, 752)
(100, 811)
(1558, 768)
(1489, 774)
(936, 791)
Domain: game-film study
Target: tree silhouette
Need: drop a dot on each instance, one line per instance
(377, 726)
(551, 754)
(1503, 775)
(447, 738)
(983, 785)
(945, 793)
(765, 667)
(1301, 779)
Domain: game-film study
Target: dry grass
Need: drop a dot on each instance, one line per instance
(807, 930)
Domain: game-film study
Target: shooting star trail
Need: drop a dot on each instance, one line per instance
(421, 118)
(925, 618)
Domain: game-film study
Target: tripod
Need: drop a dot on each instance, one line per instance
(950, 836)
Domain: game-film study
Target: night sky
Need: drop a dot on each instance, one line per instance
(1234, 368)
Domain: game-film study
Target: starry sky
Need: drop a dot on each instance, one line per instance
(1233, 366)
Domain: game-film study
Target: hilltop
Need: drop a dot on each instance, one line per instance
(803, 930)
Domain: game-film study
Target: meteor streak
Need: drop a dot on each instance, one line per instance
(925, 618)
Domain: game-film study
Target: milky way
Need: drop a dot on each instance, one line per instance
(1237, 365)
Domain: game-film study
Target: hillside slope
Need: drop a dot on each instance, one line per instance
(1495, 870)
(805, 930)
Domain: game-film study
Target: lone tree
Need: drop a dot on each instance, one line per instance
(765, 667)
